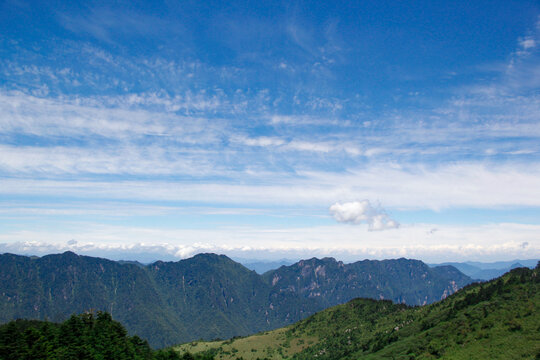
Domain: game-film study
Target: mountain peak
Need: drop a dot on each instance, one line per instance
(211, 257)
(316, 261)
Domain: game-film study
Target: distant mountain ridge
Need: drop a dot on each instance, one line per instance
(487, 271)
(263, 266)
(208, 295)
(401, 280)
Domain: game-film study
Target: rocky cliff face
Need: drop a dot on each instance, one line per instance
(401, 280)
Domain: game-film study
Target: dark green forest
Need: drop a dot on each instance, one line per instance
(84, 336)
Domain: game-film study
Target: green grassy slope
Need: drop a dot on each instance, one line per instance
(495, 320)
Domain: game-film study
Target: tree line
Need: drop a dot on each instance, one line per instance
(85, 336)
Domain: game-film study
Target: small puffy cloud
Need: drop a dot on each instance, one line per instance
(358, 212)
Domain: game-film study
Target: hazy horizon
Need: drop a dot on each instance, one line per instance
(149, 258)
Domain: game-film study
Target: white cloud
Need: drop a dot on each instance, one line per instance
(107, 160)
(26, 114)
(527, 43)
(118, 209)
(360, 212)
(305, 120)
(262, 141)
(476, 185)
(281, 145)
(140, 117)
(310, 146)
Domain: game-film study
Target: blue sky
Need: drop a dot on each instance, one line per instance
(146, 130)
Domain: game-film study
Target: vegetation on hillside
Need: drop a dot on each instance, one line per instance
(494, 320)
(85, 336)
(207, 296)
(401, 280)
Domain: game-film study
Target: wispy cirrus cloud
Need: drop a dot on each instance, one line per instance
(108, 24)
(109, 118)
(139, 115)
(109, 160)
(262, 141)
(458, 185)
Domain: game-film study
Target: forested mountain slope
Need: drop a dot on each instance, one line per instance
(57, 286)
(401, 280)
(495, 320)
(206, 296)
(218, 297)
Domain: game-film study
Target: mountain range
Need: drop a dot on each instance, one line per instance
(207, 296)
(494, 320)
(473, 269)
(488, 271)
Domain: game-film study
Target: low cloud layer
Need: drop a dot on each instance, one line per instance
(360, 212)
(146, 243)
